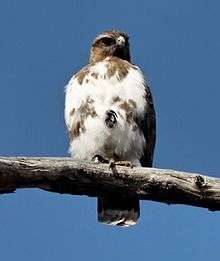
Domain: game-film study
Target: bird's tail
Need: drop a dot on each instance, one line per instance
(118, 211)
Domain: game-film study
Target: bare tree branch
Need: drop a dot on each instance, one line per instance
(63, 175)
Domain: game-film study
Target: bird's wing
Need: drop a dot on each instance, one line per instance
(148, 127)
(73, 101)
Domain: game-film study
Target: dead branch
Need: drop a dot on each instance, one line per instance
(62, 175)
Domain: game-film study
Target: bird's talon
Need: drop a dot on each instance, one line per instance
(95, 159)
(111, 164)
(99, 159)
(130, 165)
(125, 164)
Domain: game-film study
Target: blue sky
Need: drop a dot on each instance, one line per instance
(177, 44)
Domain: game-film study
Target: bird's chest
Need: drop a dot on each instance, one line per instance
(127, 92)
(107, 109)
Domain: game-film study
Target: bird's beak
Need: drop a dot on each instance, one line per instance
(120, 41)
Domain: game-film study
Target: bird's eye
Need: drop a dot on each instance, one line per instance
(108, 41)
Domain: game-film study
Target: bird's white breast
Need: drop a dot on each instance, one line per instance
(105, 94)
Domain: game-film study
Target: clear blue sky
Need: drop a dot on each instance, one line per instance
(177, 43)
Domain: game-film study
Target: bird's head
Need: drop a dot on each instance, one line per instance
(110, 43)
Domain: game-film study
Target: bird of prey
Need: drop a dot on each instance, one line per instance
(110, 116)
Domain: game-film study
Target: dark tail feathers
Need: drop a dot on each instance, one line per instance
(118, 211)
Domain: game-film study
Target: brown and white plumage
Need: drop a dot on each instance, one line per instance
(109, 112)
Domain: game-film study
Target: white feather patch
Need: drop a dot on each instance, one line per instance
(125, 141)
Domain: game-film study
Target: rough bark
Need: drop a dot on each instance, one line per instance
(62, 175)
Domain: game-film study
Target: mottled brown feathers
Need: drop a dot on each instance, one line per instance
(119, 67)
(85, 110)
(114, 67)
(81, 74)
(129, 107)
(95, 75)
(77, 128)
(116, 99)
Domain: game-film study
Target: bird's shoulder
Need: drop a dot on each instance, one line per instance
(112, 69)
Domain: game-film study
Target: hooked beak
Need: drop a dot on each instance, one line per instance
(120, 41)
